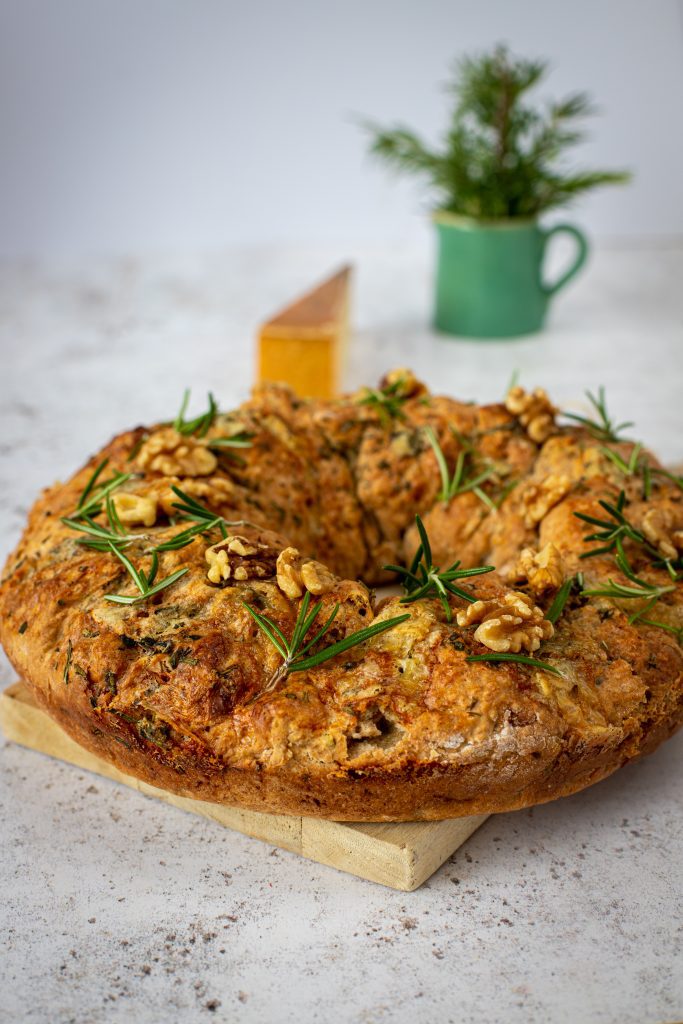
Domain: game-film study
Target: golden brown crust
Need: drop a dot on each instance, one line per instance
(175, 689)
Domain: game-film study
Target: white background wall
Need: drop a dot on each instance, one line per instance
(157, 124)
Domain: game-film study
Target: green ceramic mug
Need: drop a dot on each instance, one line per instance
(489, 281)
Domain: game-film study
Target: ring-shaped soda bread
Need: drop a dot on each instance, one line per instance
(184, 688)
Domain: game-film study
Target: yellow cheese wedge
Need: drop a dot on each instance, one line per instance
(303, 345)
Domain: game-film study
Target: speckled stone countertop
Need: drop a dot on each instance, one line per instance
(116, 908)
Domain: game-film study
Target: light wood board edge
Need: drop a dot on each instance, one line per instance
(400, 855)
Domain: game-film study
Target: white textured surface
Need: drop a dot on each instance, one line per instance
(116, 909)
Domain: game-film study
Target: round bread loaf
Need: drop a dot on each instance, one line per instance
(165, 650)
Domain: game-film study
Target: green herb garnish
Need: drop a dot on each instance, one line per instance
(205, 520)
(561, 598)
(625, 592)
(227, 445)
(602, 428)
(90, 501)
(67, 663)
(100, 537)
(460, 481)
(23, 627)
(424, 579)
(144, 581)
(678, 480)
(633, 467)
(387, 401)
(293, 651)
(522, 659)
(200, 425)
(613, 531)
(136, 447)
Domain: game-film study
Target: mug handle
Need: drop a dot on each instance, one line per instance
(581, 255)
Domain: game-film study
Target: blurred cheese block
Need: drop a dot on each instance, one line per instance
(303, 345)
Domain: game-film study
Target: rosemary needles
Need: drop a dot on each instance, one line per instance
(200, 424)
(144, 581)
(424, 579)
(613, 530)
(460, 481)
(387, 401)
(293, 651)
(93, 494)
(602, 428)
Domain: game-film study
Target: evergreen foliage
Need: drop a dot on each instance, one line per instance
(501, 157)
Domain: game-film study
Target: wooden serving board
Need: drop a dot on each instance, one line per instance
(400, 855)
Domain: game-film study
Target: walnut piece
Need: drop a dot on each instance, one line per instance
(534, 410)
(134, 509)
(168, 452)
(508, 625)
(539, 498)
(661, 529)
(296, 574)
(239, 559)
(407, 384)
(543, 570)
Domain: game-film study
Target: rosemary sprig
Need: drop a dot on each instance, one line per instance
(226, 445)
(634, 466)
(561, 598)
(93, 494)
(144, 581)
(677, 631)
(459, 482)
(678, 480)
(602, 428)
(629, 592)
(636, 588)
(387, 401)
(200, 424)
(99, 537)
(293, 651)
(614, 530)
(627, 468)
(185, 537)
(205, 520)
(194, 510)
(424, 579)
(522, 659)
(136, 447)
(90, 504)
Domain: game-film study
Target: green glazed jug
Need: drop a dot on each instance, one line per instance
(489, 281)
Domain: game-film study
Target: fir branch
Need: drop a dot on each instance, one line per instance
(501, 157)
